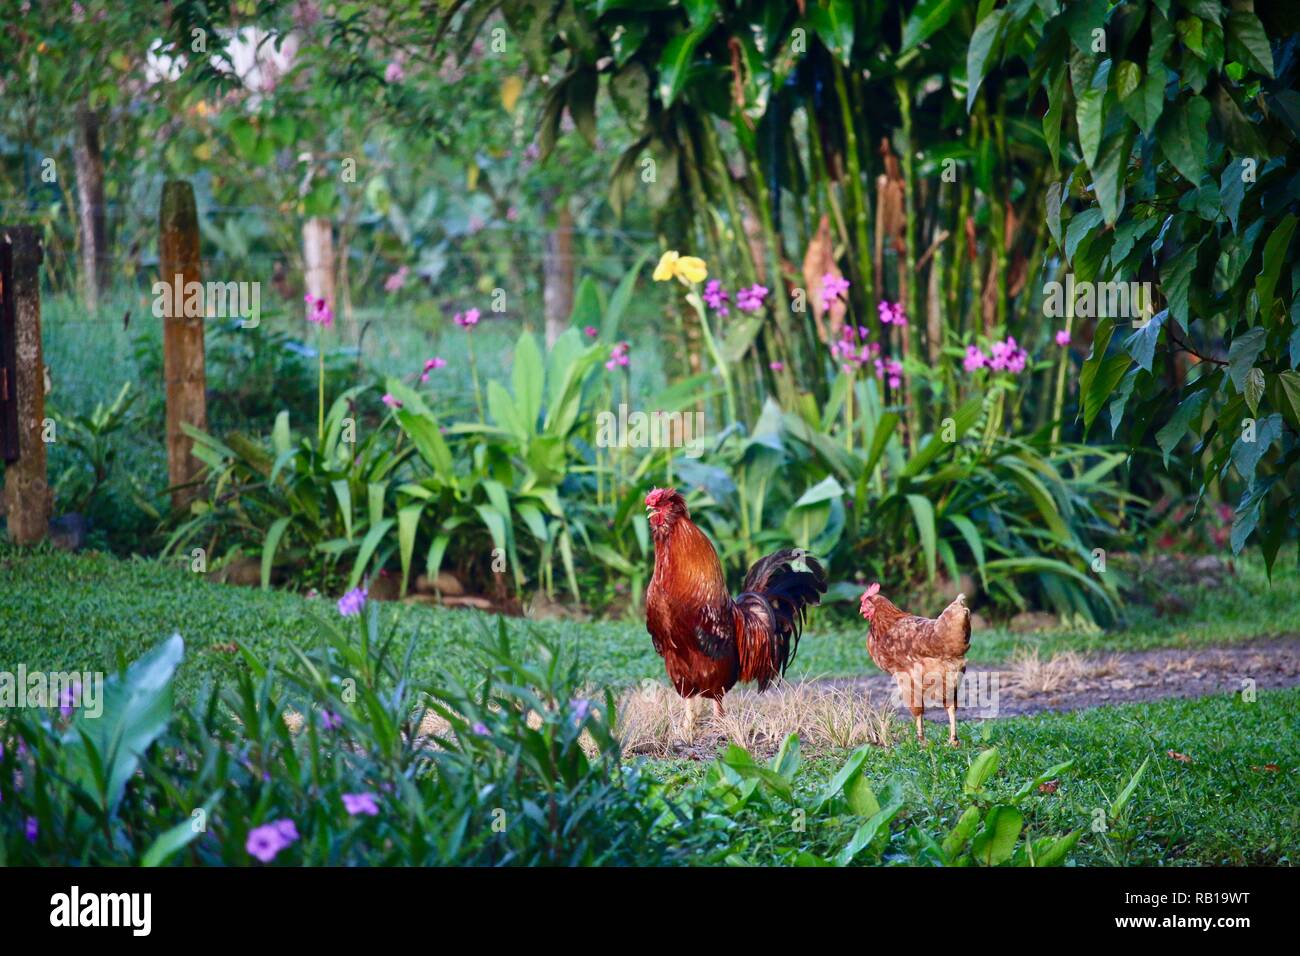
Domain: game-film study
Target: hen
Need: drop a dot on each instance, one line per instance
(923, 654)
(709, 640)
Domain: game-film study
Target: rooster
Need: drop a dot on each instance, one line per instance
(922, 654)
(709, 640)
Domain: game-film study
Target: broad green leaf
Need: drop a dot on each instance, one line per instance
(923, 514)
(526, 379)
(675, 65)
(995, 843)
(103, 750)
(1188, 413)
(981, 769)
(269, 546)
(927, 18)
(1274, 256)
(978, 53)
(1183, 134)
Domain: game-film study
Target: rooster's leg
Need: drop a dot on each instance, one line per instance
(952, 725)
(689, 704)
(919, 714)
(718, 712)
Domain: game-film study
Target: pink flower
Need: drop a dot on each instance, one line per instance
(591, 331)
(397, 279)
(1062, 338)
(891, 313)
(391, 401)
(618, 356)
(432, 365)
(1007, 356)
(318, 311)
(833, 287)
(776, 366)
(975, 358)
(393, 73)
(751, 299)
(467, 320)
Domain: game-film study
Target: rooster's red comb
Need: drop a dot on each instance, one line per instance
(873, 590)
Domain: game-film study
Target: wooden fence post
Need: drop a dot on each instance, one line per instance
(183, 358)
(27, 492)
(318, 259)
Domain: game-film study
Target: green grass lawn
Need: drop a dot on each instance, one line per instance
(61, 611)
(1222, 808)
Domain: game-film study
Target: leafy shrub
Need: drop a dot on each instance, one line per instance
(334, 756)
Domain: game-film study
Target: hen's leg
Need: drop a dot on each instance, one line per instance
(689, 703)
(718, 712)
(952, 725)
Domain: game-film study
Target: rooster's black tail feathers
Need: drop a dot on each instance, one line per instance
(781, 587)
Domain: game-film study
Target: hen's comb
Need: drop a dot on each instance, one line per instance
(873, 590)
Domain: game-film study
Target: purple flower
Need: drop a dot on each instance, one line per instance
(480, 728)
(360, 803)
(890, 370)
(266, 841)
(319, 312)
(1062, 338)
(468, 319)
(833, 287)
(393, 73)
(350, 604)
(581, 708)
(391, 400)
(751, 299)
(397, 279)
(975, 358)
(716, 297)
(591, 331)
(330, 720)
(31, 830)
(891, 313)
(68, 698)
(776, 366)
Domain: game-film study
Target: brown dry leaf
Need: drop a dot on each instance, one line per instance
(1049, 787)
(1267, 768)
(818, 262)
(1181, 758)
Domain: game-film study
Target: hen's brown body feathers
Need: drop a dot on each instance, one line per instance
(926, 656)
(708, 640)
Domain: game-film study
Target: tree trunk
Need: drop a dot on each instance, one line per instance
(318, 257)
(28, 501)
(184, 373)
(557, 266)
(89, 162)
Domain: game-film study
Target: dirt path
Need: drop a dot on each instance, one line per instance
(847, 712)
(1076, 681)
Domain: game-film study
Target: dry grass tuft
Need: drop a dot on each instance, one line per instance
(1029, 675)
(654, 721)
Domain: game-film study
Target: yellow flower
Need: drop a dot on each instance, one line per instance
(687, 268)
